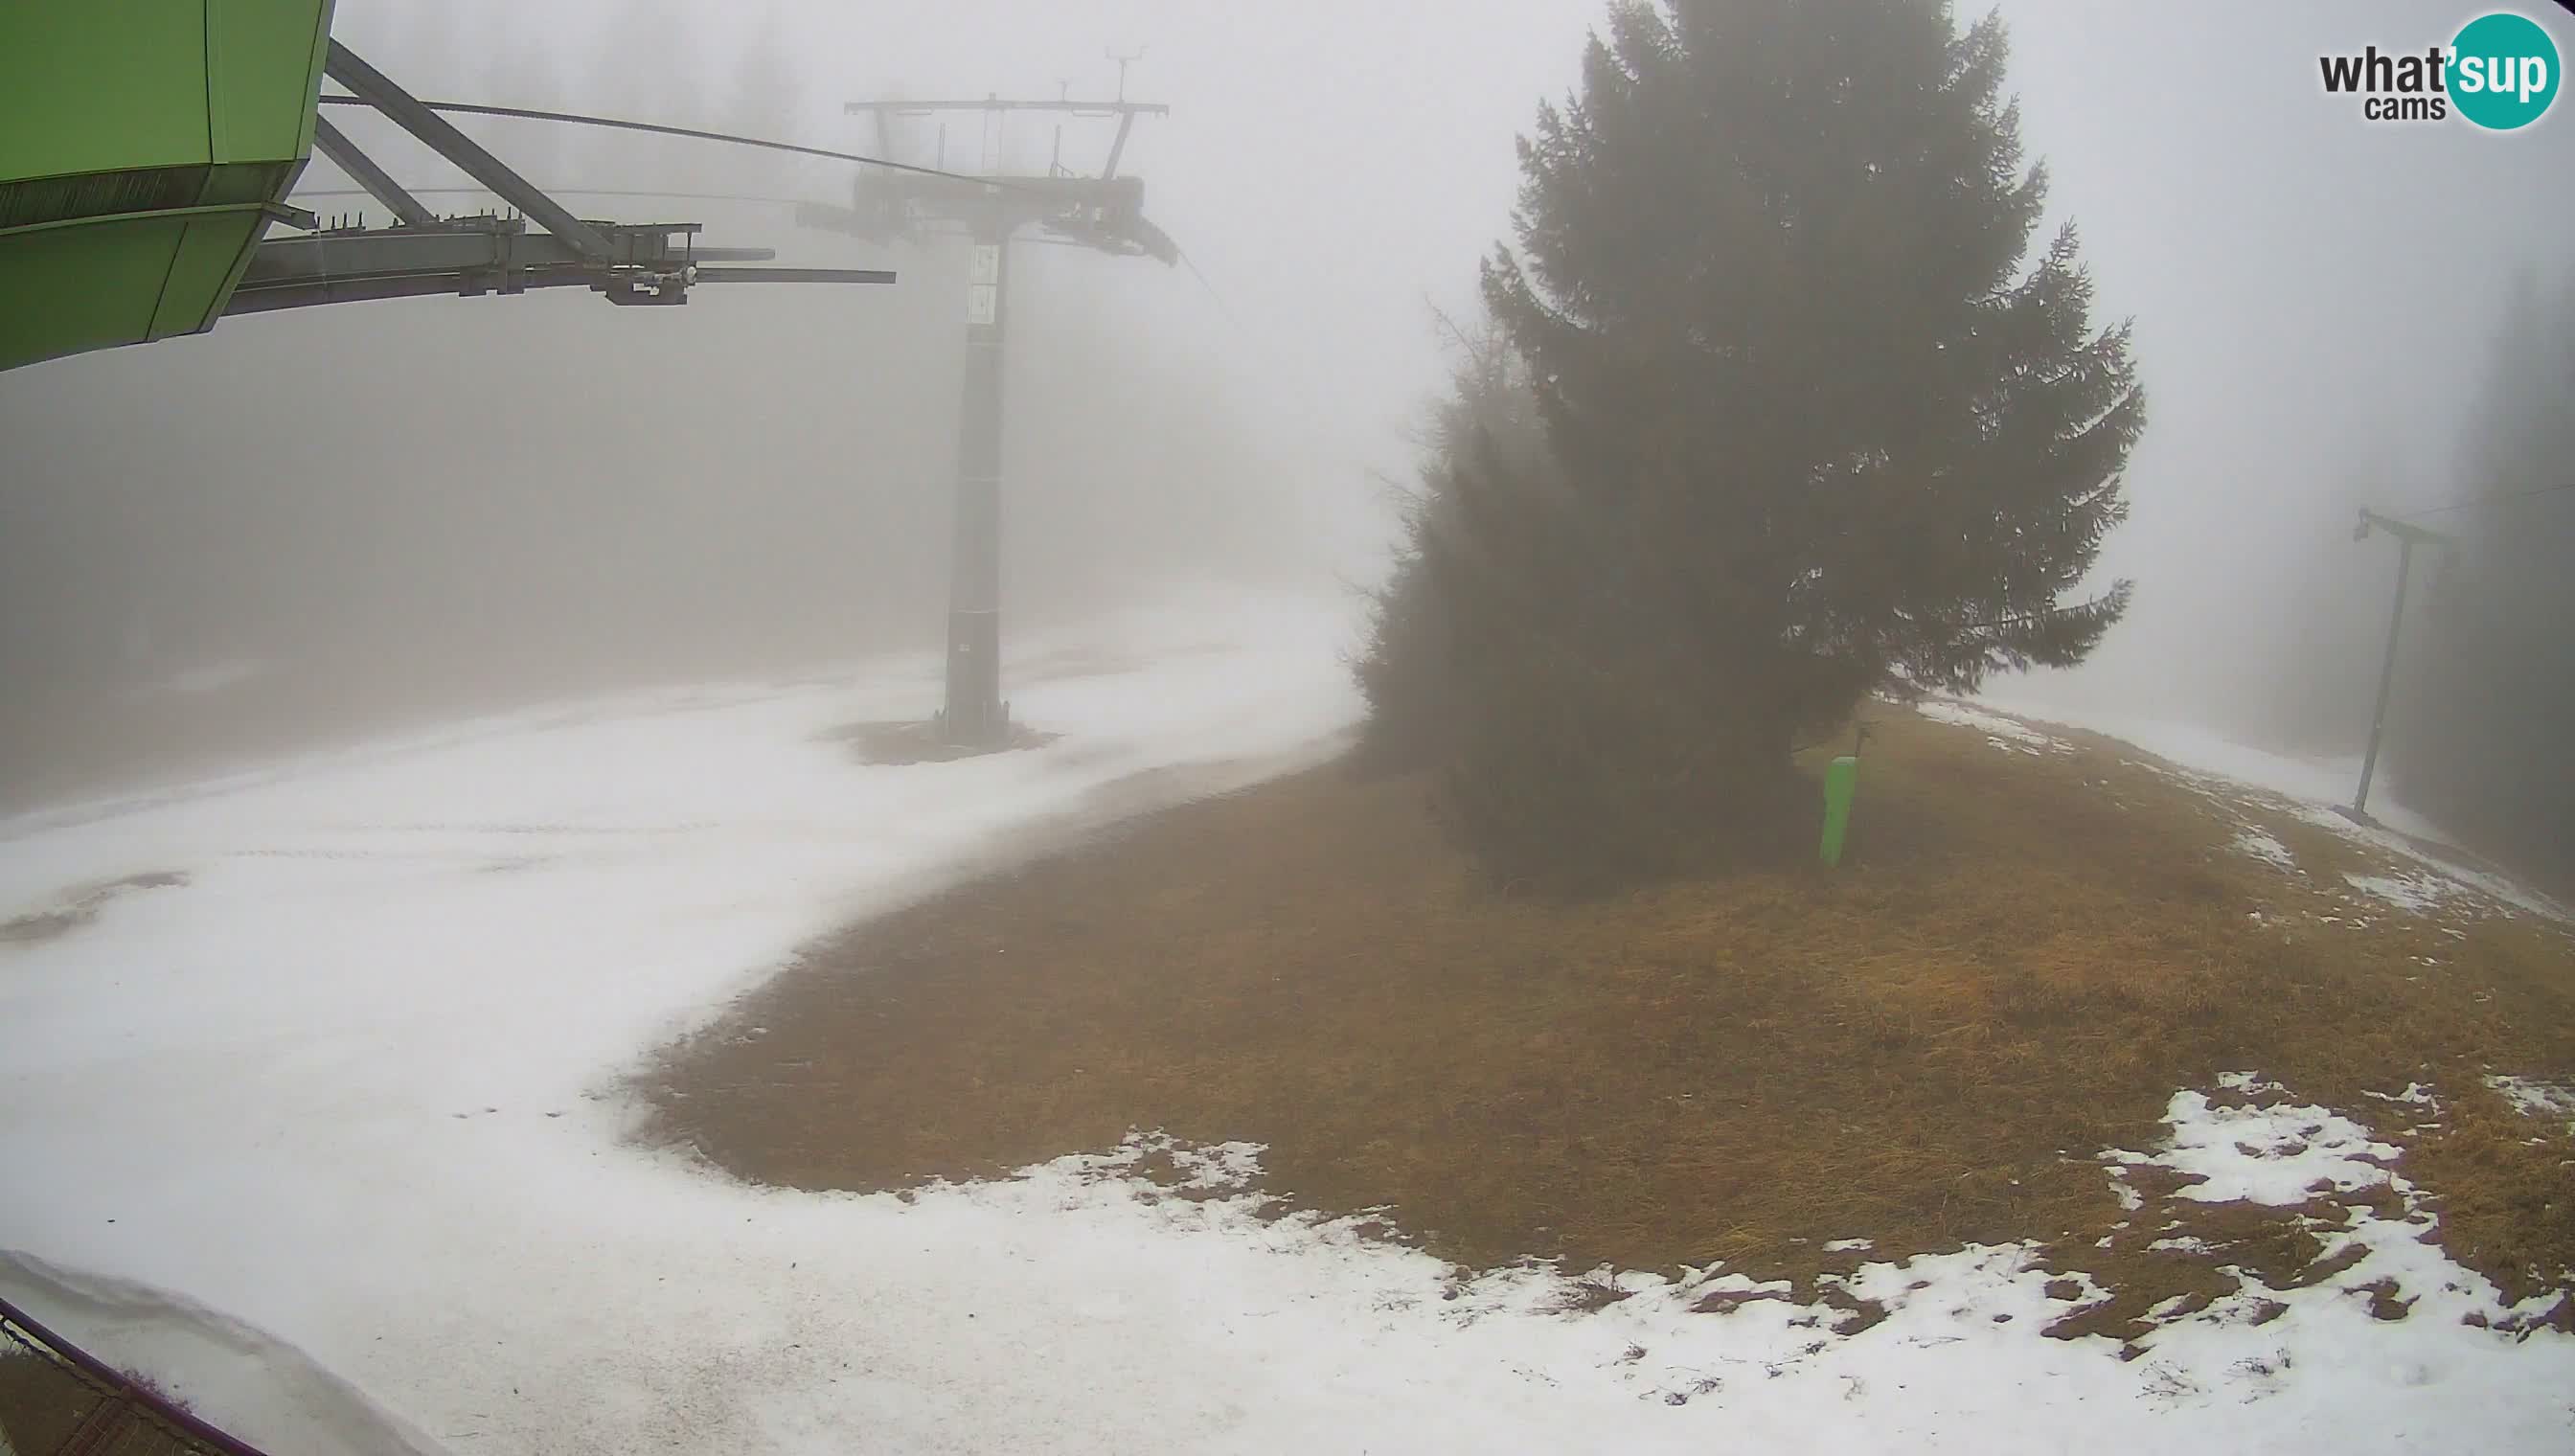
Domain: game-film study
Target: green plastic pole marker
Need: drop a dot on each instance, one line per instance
(1842, 781)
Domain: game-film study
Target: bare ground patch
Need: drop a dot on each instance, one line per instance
(2024, 960)
(79, 908)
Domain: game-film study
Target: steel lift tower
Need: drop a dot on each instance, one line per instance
(2407, 538)
(1104, 211)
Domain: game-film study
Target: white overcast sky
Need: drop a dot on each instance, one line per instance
(2312, 292)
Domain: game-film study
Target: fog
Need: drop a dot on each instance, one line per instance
(402, 511)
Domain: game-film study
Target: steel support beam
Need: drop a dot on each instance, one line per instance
(376, 89)
(794, 274)
(348, 255)
(472, 243)
(1117, 148)
(655, 264)
(466, 243)
(362, 169)
(315, 292)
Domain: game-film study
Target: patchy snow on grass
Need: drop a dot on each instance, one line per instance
(2262, 846)
(2416, 893)
(2552, 1098)
(2286, 1155)
(2273, 1155)
(2008, 733)
(354, 1084)
(2502, 893)
(2321, 781)
(2310, 788)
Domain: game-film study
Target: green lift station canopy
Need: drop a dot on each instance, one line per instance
(145, 147)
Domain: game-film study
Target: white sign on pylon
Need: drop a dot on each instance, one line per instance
(983, 293)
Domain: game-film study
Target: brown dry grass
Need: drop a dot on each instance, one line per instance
(47, 1406)
(2023, 961)
(41, 1404)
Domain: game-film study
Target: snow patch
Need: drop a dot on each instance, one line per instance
(2007, 734)
(2276, 1155)
(2415, 1095)
(2415, 893)
(346, 1023)
(2262, 846)
(2538, 1096)
(2286, 1155)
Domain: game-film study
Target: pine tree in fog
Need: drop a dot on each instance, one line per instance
(1821, 423)
(1486, 432)
(766, 96)
(646, 64)
(2481, 745)
(544, 152)
(1774, 299)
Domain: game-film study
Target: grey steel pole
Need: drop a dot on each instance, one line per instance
(2386, 677)
(975, 715)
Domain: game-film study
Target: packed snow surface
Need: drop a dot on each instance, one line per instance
(341, 1062)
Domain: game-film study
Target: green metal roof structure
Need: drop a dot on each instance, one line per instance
(145, 147)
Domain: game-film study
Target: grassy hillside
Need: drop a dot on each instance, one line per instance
(2035, 943)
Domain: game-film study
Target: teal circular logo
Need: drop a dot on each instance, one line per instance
(2503, 71)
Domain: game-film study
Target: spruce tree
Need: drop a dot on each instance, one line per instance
(1820, 420)
(1485, 428)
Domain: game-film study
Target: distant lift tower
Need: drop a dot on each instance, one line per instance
(1104, 212)
(2408, 538)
